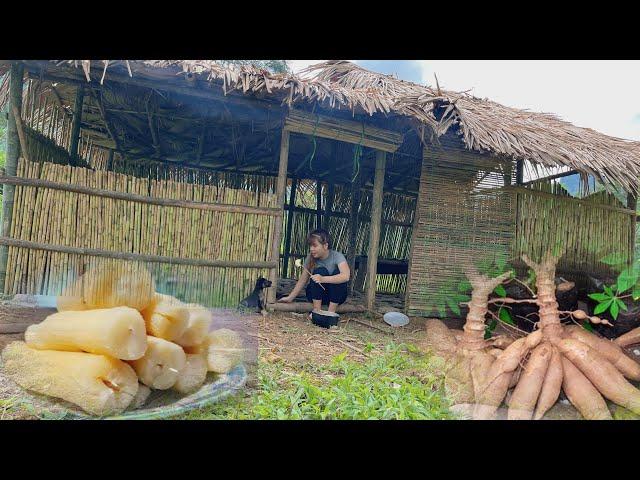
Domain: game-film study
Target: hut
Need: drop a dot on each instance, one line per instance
(211, 175)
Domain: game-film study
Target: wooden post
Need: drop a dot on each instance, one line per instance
(287, 238)
(632, 204)
(329, 207)
(11, 161)
(318, 204)
(374, 232)
(75, 125)
(277, 231)
(353, 230)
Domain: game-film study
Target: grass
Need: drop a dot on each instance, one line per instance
(397, 384)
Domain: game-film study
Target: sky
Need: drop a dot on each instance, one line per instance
(598, 94)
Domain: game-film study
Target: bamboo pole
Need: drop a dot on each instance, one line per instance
(329, 205)
(318, 204)
(277, 231)
(287, 242)
(116, 194)
(133, 256)
(374, 230)
(76, 122)
(353, 230)
(632, 204)
(11, 161)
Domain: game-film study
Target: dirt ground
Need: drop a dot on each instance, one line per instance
(293, 339)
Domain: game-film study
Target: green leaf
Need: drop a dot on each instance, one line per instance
(587, 326)
(464, 286)
(455, 308)
(505, 316)
(635, 293)
(614, 259)
(490, 328)
(500, 291)
(442, 310)
(621, 304)
(627, 279)
(614, 310)
(599, 297)
(601, 307)
(608, 291)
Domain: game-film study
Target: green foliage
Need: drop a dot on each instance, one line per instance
(274, 66)
(393, 385)
(627, 285)
(503, 314)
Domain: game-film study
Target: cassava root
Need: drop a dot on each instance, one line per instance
(540, 365)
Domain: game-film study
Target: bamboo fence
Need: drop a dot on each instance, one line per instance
(62, 218)
(586, 229)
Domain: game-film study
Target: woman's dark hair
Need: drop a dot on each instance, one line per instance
(320, 235)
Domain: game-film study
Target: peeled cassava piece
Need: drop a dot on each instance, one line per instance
(166, 317)
(193, 374)
(197, 326)
(161, 364)
(224, 350)
(118, 332)
(98, 384)
(109, 285)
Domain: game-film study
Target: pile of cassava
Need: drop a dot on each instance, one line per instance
(529, 372)
(114, 339)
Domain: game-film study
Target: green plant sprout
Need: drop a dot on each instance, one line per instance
(627, 285)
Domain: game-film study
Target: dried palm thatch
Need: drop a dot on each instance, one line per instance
(484, 125)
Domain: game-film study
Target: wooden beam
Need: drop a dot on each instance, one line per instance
(551, 177)
(107, 123)
(353, 229)
(133, 197)
(152, 129)
(343, 130)
(136, 257)
(11, 160)
(374, 230)
(75, 125)
(277, 231)
(287, 240)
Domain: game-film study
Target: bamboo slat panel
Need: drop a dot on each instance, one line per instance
(78, 220)
(464, 216)
(587, 230)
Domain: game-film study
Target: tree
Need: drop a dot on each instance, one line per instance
(274, 66)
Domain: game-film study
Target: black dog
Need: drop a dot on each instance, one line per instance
(257, 300)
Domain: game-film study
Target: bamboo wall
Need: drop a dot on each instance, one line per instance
(394, 239)
(464, 216)
(77, 220)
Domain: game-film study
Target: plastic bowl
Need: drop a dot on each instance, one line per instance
(396, 319)
(324, 319)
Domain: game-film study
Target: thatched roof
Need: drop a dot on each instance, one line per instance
(482, 125)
